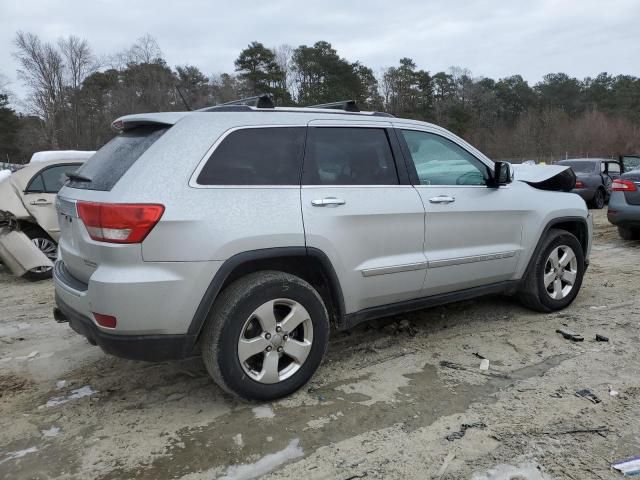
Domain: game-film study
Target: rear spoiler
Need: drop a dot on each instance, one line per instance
(147, 119)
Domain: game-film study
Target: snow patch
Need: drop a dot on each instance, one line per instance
(265, 464)
(18, 454)
(60, 155)
(237, 439)
(527, 471)
(75, 394)
(52, 432)
(4, 174)
(263, 411)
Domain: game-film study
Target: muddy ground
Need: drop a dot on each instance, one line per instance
(399, 398)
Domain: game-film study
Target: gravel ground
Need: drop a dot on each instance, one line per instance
(403, 397)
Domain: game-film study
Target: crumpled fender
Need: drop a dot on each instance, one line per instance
(10, 200)
(19, 253)
(546, 177)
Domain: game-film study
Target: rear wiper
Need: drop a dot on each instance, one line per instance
(77, 177)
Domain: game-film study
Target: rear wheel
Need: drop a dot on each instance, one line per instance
(47, 246)
(598, 199)
(628, 233)
(555, 276)
(266, 336)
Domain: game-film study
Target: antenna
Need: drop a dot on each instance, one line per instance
(182, 97)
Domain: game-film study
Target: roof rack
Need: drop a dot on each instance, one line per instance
(346, 105)
(258, 101)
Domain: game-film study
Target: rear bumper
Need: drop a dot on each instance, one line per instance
(622, 213)
(152, 348)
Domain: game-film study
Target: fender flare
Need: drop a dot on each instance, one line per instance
(219, 279)
(549, 226)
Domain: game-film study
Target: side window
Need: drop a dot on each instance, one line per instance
(349, 156)
(440, 161)
(54, 177)
(36, 185)
(256, 156)
(614, 168)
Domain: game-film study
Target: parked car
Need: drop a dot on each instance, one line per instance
(271, 224)
(594, 178)
(624, 205)
(27, 205)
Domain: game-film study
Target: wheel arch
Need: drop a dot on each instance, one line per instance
(574, 225)
(310, 264)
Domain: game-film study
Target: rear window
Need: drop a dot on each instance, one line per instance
(581, 167)
(256, 156)
(111, 162)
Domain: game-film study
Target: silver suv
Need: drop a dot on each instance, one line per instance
(243, 232)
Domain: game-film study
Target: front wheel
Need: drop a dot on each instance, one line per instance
(47, 246)
(266, 336)
(555, 276)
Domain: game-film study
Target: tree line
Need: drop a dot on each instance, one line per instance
(73, 96)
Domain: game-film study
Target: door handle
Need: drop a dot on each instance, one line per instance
(328, 202)
(442, 199)
(41, 201)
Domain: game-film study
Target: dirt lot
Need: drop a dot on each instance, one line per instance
(400, 398)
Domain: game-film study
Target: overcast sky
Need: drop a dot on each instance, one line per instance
(491, 38)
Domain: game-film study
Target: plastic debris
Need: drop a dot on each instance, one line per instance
(484, 364)
(612, 392)
(599, 307)
(588, 394)
(569, 335)
(463, 429)
(629, 467)
(61, 384)
(601, 338)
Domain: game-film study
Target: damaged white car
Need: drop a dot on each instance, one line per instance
(29, 229)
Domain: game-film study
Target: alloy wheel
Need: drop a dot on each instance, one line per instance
(275, 340)
(560, 272)
(49, 248)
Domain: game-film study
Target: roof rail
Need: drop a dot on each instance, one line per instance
(346, 105)
(258, 101)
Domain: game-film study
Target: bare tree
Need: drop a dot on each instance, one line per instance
(42, 70)
(284, 59)
(79, 60)
(145, 50)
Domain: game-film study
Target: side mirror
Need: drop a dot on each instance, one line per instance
(502, 174)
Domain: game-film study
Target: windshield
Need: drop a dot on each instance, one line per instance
(580, 167)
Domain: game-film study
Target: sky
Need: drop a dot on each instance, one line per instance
(492, 38)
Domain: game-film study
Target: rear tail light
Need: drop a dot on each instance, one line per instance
(119, 222)
(108, 321)
(623, 186)
(579, 184)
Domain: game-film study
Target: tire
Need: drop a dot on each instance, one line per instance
(537, 296)
(598, 199)
(628, 233)
(47, 245)
(239, 314)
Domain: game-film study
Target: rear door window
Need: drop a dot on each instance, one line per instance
(54, 177)
(349, 156)
(256, 156)
(111, 162)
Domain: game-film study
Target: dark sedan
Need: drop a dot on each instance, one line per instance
(624, 205)
(594, 177)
